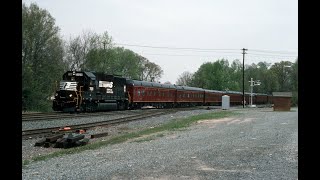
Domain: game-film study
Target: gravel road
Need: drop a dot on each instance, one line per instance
(257, 144)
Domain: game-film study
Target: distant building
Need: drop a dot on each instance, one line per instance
(281, 101)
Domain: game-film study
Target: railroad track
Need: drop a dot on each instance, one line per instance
(145, 114)
(59, 115)
(47, 131)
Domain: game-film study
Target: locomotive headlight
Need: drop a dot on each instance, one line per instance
(70, 95)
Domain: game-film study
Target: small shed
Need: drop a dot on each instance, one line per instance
(281, 101)
(225, 102)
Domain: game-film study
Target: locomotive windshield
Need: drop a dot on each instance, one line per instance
(73, 76)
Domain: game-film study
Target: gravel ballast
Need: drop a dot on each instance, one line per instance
(257, 144)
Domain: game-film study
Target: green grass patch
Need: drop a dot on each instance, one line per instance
(176, 124)
(25, 162)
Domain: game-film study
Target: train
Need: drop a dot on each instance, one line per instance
(86, 91)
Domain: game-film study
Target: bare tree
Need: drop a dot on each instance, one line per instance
(150, 71)
(79, 47)
(185, 79)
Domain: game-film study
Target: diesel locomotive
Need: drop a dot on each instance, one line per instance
(90, 91)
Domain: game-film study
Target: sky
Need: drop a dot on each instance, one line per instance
(181, 35)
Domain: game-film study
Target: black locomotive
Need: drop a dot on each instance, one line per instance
(90, 91)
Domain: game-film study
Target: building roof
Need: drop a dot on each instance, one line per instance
(282, 94)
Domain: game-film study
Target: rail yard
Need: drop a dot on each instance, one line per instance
(94, 123)
(258, 143)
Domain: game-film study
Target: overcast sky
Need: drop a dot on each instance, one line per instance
(267, 28)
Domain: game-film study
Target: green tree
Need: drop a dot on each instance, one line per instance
(282, 71)
(235, 72)
(202, 76)
(42, 57)
(294, 82)
(213, 75)
(294, 75)
(126, 62)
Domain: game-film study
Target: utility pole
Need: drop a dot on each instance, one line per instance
(253, 83)
(243, 99)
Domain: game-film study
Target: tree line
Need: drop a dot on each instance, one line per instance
(46, 56)
(220, 75)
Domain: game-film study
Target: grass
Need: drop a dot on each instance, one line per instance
(176, 124)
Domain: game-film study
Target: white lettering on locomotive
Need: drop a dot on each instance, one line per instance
(105, 84)
(109, 91)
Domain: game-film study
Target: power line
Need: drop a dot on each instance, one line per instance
(269, 55)
(211, 55)
(188, 54)
(205, 49)
(271, 51)
(162, 47)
